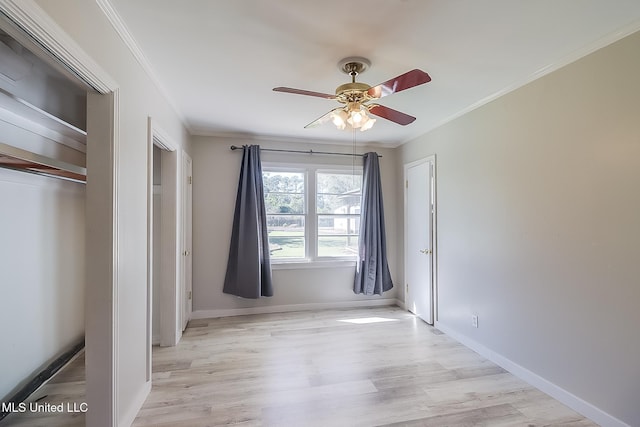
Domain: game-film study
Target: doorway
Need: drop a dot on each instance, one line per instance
(165, 281)
(187, 221)
(419, 231)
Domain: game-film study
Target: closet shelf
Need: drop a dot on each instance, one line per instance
(16, 105)
(18, 159)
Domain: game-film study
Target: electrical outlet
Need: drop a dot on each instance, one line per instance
(474, 320)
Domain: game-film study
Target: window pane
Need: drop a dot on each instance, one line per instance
(283, 203)
(339, 246)
(286, 247)
(289, 225)
(339, 183)
(338, 224)
(286, 236)
(283, 182)
(331, 204)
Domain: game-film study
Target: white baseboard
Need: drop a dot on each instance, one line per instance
(136, 403)
(224, 312)
(579, 405)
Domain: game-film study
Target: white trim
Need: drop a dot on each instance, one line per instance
(248, 138)
(170, 258)
(151, 192)
(186, 236)
(116, 249)
(547, 69)
(306, 264)
(161, 138)
(121, 29)
(208, 314)
(27, 15)
(136, 403)
(563, 396)
(102, 242)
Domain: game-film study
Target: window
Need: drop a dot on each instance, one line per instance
(338, 213)
(285, 205)
(313, 213)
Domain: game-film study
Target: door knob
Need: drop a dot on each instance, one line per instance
(425, 251)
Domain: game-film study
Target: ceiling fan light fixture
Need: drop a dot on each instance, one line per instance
(358, 117)
(339, 118)
(368, 124)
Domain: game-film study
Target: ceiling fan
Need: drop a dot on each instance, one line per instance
(356, 96)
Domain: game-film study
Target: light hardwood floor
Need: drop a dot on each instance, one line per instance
(318, 369)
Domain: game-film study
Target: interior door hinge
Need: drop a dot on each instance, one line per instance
(407, 288)
(406, 184)
(189, 294)
(190, 180)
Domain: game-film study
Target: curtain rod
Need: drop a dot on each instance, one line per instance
(235, 147)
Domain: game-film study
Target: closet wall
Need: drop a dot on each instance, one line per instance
(42, 219)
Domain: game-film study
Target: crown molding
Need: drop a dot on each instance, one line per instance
(121, 29)
(247, 137)
(574, 56)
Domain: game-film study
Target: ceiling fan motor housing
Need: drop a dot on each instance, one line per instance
(352, 92)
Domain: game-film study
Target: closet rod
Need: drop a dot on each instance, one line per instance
(235, 147)
(25, 161)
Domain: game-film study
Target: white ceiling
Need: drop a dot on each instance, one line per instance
(218, 60)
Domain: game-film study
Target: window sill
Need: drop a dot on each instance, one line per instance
(306, 264)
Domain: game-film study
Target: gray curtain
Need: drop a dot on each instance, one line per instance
(249, 269)
(372, 270)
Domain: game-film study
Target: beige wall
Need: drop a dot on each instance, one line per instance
(539, 224)
(216, 169)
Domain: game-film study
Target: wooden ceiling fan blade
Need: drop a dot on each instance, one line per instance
(391, 114)
(321, 120)
(303, 92)
(404, 81)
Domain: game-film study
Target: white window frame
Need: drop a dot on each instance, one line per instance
(311, 258)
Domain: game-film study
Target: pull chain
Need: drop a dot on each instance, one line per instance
(353, 158)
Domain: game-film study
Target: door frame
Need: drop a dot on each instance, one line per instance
(170, 236)
(187, 242)
(434, 246)
(33, 28)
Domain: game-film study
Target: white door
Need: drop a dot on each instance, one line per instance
(419, 239)
(187, 264)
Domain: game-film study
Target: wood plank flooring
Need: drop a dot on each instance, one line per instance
(319, 368)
